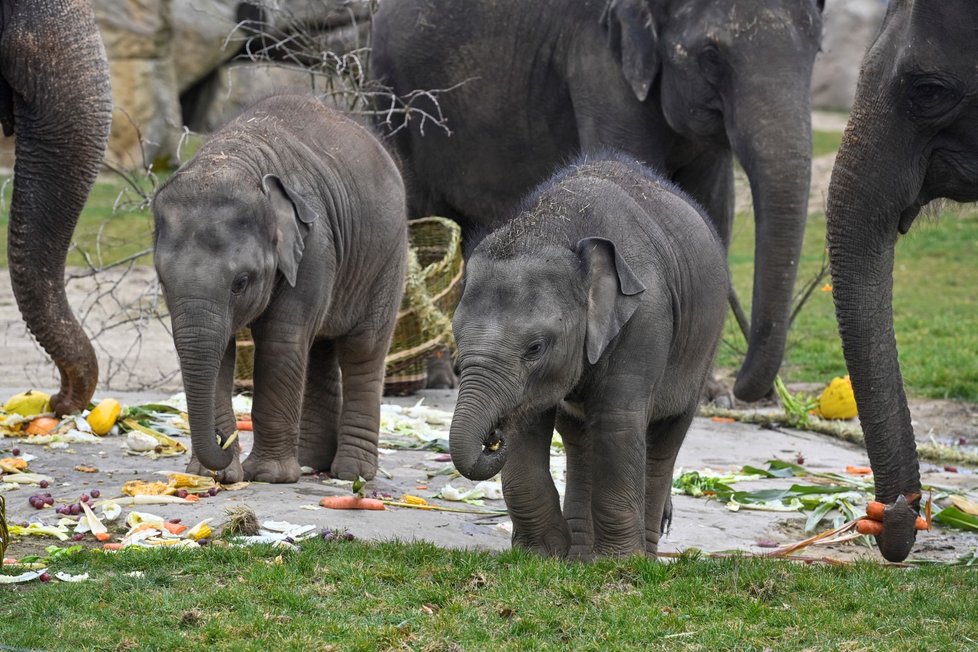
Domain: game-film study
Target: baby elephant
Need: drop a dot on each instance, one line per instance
(597, 309)
(291, 220)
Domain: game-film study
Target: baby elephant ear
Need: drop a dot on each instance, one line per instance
(292, 217)
(612, 297)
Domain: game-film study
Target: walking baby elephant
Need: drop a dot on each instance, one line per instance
(291, 220)
(598, 310)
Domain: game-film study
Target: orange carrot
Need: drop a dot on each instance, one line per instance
(112, 546)
(103, 536)
(244, 424)
(41, 426)
(192, 498)
(351, 502)
(874, 510)
(723, 420)
(867, 526)
(921, 524)
(175, 528)
(859, 470)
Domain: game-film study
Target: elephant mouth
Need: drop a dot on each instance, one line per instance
(494, 443)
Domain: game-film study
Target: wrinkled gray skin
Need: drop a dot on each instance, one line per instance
(55, 96)
(290, 220)
(912, 137)
(598, 310)
(683, 85)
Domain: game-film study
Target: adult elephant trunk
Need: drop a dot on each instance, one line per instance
(202, 335)
(773, 144)
(865, 206)
(478, 446)
(56, 74)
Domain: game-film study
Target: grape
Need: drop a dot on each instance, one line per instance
(76, 509)
(44, 484)
(181, 493)
(212, 491)
(77, 536)
(15, 452)
(45, 577)
(95, 493)
(173, 520)
(203, 542)
(85, 498)
(48, 500)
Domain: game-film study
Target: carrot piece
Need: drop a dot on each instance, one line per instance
(103, 536)
(244, 424)
(723, 420)
(921, 523)
(175, 528)
(859, 470)
(874, 510)
(351, 502)
(112, 546)
(192, 498)
(867, 526)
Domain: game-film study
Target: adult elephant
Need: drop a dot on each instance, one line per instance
(684, 85)
(55, 96)
(912, 137)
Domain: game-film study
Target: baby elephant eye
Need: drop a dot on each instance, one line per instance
(534, 351)
(239, 284)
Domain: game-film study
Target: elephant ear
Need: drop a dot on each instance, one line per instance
(292, 217)
(613, 295)
(634, 40)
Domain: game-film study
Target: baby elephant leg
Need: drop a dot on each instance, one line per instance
(321, 408)
(362, 363)
(577, 498)
(529, 490)
(662, 446)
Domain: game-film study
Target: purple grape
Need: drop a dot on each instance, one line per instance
(85, 498)
(212, 491)
(173, 520)
(15, 452)
(44, 484)
(77, 536)
(76, 509)
(48, 500)
(182, 493)
(95, 493)
(45, 577)
(203, 542)
(36, 503)
(348, 536)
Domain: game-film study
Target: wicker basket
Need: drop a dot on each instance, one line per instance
(433, 286)
(424, 322)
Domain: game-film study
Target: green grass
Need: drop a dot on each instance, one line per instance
(825, 142)
(356, 596)
(935, 306)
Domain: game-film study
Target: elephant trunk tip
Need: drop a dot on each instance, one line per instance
(753, 384)
(219, 456)
(488, 461)
(899, 530)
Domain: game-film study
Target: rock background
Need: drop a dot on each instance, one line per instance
(185, 63)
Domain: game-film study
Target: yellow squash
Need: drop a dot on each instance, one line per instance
(837, 400)
(103, 416)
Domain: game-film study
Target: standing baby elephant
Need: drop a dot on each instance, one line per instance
(290, 220)
(598, 309)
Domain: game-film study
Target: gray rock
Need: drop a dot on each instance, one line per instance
(849, 27)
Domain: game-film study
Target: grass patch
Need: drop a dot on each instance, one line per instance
(935, 307)
(357, 596)
(825, 142)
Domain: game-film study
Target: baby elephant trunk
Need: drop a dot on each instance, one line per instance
(478, 448)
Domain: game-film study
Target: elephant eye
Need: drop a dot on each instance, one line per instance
(534, 350)
(711, 60)
(930, 98)
(239, 284)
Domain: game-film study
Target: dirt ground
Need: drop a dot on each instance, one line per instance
(138, 364)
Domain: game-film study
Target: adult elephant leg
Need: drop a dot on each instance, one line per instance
(529, 490)
(577, 497)
(224, 421)
(663, 441)
(321, 408)
(281, 357)
(361, 360)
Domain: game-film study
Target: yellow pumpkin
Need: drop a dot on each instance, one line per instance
(103, 416)
(837, 400)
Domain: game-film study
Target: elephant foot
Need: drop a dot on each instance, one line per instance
(273, 470)
(549, 542)
(717, 393)
(350, 465)
(580, 553)
(233, 473)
